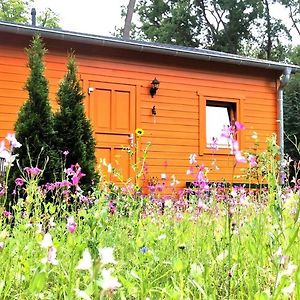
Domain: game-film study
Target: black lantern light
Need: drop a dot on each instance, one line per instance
(154, 87)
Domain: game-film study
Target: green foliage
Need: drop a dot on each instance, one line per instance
(231, 24)
(183, 253)
(173, 22)
(234, 26)
(15, 10)
(48, 18)
(74, 131)
(34, 127)
(18, 11)
(292, 115)
(293, 7)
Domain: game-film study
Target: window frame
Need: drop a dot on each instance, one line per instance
(236, 103)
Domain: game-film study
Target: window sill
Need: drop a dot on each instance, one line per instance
(221, 151)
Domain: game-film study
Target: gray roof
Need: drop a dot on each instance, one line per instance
(141, 46)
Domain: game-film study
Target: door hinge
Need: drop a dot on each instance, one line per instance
(90, 90)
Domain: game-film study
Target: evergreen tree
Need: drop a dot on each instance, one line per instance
(35, 124)
(74, 130)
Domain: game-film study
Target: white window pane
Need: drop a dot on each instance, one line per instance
(216, 119)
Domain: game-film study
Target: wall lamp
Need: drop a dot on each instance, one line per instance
(154, 87)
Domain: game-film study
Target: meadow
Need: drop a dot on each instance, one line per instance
(211, 241)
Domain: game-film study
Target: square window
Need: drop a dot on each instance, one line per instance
(219, 114)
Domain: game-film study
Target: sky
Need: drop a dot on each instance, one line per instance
(86, 16)
(101, 16)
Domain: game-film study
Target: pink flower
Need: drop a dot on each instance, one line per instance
(33, 171)
(239, 157)
(239, 126)
(189, 170)
(19, 181)
(235, 146)
(71, 225)
(66, 152)
(227, 132)
(252, 161)
(214, 144)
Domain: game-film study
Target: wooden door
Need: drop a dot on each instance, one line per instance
(112, 112)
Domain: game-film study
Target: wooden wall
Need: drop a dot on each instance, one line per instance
(185, 85)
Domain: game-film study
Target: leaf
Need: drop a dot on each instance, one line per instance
(178, 265)
(38, 282)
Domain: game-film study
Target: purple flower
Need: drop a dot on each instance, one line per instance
(112, 207)
(239, 126)
(64, 183)
(144, 249)
(75, 172)
(19, 181)
(71, 225)
(7, 214)
(2, 190)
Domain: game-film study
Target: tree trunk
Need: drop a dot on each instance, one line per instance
(128, 19)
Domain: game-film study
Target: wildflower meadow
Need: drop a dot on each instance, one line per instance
(209, 241)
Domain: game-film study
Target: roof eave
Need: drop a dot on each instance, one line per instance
(145, 47)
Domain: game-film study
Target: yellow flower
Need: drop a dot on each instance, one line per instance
(139, 132)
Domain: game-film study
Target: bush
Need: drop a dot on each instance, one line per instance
(74, 131)
(35, 124)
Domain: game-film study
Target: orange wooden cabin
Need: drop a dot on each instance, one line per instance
(199, 90)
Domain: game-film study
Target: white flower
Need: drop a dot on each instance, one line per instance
(168, 203)
(192, 158)
(254, 135)
(222, 255)
(107, 256)
(163, 176)
(2, 146)
(47, 241)
(109, 168)
(287, 272)
(8, 157)
(86, 262)
(51, 222)
(290, 269)
(196, 270)
(13, 141)
(289, 289)
(109, 282)
(82, 294)
(162, 237)
(39, 228)
(278, 252)
(51, 258)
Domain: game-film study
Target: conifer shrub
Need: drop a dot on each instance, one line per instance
(74, 130)
(35, 124)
